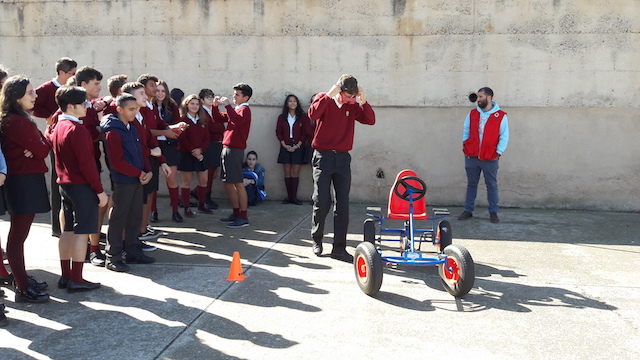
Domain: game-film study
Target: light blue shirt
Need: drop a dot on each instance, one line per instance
(3, 163)
(503, 139)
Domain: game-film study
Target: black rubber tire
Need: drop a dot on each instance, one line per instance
(369, 231)
(465, 268)
(446, 235)
(367, 264)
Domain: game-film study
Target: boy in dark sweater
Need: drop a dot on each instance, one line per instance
(129, 171)
(80, 186)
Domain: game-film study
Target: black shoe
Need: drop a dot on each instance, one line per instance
(228, 219)
(177, 217)
(142, 259)
(180, 204)
(63, 282)
(82, 286)
(153, 217)
(296, 202)
(189, 213)
(6, 280)
(317, 248)
(285, 201)
(31, 295)
(204, 209)
(97, 258)
(211, 204)
(238, 223)
(117, 266)
(493, 217)
(342, 255)
(38, 286)
(465, 215)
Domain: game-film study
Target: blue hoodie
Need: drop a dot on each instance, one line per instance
(132, 150)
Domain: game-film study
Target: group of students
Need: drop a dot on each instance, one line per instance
(142, 130)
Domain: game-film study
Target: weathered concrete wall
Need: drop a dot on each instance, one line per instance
(567, 71)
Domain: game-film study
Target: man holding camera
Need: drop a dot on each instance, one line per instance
(484, 139)
(335, 114)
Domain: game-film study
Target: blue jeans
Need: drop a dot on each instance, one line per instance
(473, 166)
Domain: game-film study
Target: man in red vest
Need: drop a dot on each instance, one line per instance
(484, 139)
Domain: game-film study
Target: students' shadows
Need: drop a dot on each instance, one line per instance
(106, 322)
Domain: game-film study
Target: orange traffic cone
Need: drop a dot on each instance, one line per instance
(235, 273)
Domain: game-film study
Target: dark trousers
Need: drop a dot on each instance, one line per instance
(331, 168)
(56, 197)
(126, 218)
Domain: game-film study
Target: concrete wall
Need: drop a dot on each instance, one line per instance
(566, 71)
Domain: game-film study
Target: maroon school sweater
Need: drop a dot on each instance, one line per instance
(334, 125)
(46, 102)
(18, 134)
(194, 136)
(238, 128)
(73, 148)
(216, 126)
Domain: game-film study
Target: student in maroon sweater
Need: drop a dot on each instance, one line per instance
(80, 186)
(114, 84)
(233, 145)
(216, 133)
(292, 130)
(335, 114)
(25, 150)
(167, 131)
(192, 144)
(45, 108)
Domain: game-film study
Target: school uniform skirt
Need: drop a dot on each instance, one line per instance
(26, 194)
(296, 157)
(212, 154)
(189, 162)
(170, 151)
(3, 208)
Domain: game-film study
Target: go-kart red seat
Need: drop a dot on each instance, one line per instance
(398, 208)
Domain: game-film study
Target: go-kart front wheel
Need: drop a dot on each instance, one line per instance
(458, 273)
(368, 268)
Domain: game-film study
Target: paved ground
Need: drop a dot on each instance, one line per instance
(550, 285)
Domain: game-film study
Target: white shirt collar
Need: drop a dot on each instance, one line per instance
(69, 117)
(241, 105)
(149, 105)
(207, 110)
(194, 119)
(335, 98)
(55, 82)
(139, 117)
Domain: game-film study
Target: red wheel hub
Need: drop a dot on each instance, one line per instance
(361, 265)
(452, 277)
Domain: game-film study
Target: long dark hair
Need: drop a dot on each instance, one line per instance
(168, 102)
(13, 90)
(285, 108)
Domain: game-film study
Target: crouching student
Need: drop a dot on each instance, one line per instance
(80, 186)
(129, 171)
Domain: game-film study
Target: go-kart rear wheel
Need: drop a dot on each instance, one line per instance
(370, 231)
(444, 235)
(368, 268)
(459, 281)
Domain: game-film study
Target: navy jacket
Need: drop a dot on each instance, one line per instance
(125, 151)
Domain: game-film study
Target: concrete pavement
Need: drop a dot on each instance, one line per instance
(550, 285)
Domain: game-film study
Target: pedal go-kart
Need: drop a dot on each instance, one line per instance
(407, 202)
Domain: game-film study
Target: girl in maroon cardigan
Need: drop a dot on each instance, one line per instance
(25, 150)
(292, 129)
(216, 133)
(192, 144)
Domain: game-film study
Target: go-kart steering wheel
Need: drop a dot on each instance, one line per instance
(417, 193)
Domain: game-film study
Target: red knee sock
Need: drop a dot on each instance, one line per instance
(173, 196)
(287, 184)
(236, 212)
(185, 197)
(294, 188)
(243, 214)
(154, 202)
(76, 271)
(18, 232)
(3, 270)
(94, 248)
(201, 191)
(65, 265)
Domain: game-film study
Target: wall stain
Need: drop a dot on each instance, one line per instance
(398, 7)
